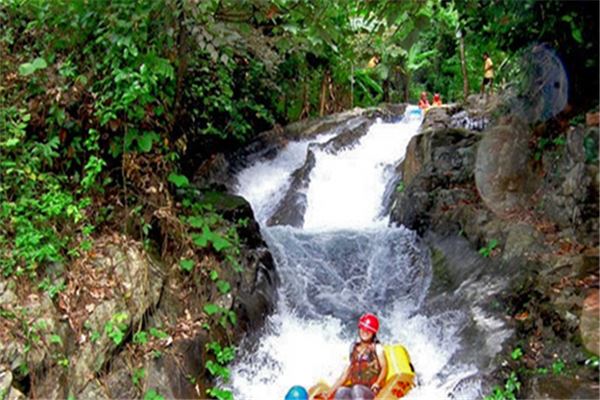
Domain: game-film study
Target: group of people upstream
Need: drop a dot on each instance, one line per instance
(365, 374)
(424, 101)
(488, 82)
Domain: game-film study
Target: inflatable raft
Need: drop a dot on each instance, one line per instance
(398, 382)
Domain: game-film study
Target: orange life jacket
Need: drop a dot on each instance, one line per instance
(364, 365)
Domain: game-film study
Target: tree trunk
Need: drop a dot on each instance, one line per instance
(323, 93)
(463, 65)
(406, 80)
(352, 85)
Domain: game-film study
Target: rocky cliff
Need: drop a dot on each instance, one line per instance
(524, 199)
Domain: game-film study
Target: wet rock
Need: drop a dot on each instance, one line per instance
(590, 321)
(214, 172)
(7, 296)
(118, 382)
(462, 279)
(267, 144)
(7, 391)
(436, 118)
(187, 357)
(254, 289)
(50, 387)
(466, 120)
(293, 205)
(561, 387)
(522, 240)
(349, 137)
(93, 390)
(438, 176)
(502, 171)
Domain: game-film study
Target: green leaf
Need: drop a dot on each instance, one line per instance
(186, 265)
(157, 333)
(223, 286)
(576, 33)
(196, 221)
(219, 242)
(26, 69)
(11, 142)
(199, 240)
(178, 180)
(146, 141)
(153, 395)
(39, 63)
(55, 339)
(140, 337)
(211, 309)
(130, 136)
(29, 68)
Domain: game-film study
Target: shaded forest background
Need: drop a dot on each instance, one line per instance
(105, 106)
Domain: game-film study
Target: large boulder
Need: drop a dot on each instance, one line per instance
(438, 175)
(590, 321)
(561, 387)
(122, 282)
(503, 174)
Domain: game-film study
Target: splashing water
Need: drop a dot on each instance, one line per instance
(343, 262)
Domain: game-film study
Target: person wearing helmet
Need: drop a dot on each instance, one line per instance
(296, 393)
(364, 377)
(437, 101)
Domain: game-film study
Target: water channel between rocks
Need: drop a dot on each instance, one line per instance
(342, 261)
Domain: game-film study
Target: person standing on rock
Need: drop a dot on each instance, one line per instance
(488, 73)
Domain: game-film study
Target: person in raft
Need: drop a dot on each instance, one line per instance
(437, 101)
(423, 101)
(297, 393)
(365, 375)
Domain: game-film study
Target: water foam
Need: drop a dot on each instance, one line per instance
(345, 261)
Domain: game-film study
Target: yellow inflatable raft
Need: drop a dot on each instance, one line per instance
(399, 380)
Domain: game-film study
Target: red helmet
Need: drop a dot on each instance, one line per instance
(369, 323)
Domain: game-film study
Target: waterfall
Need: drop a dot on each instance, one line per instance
(345, 260)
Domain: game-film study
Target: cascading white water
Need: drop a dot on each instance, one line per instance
(343, 262)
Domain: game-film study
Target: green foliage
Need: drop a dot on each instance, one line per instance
(117, 327)
(591, 149)
(186, 265)
(400, 187)
(593, 362)
(226, 317)
(181, 181)
(140, 338)
(558, 367)
(29, 68)
(153, 395)
(138, 376)
(509, 391)
(52, 288)
(55, 339)
(218, 369)
(159, 334)
(516, 354)
(487, 250)
(36, 201)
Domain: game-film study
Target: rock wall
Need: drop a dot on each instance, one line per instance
(529, 207)
(84, 344)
